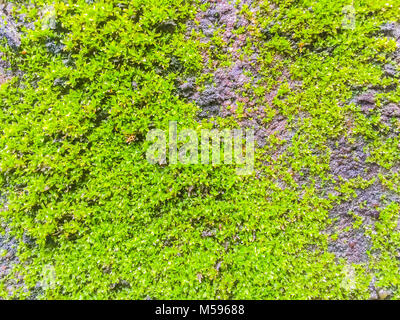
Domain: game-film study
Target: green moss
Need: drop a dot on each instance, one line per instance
(114, 226)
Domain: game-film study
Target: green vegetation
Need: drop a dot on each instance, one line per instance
(73, 154)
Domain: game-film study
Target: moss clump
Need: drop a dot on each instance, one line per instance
(111, 225)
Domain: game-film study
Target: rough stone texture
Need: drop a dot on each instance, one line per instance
(8, 251)
(390, 70)
(222, 97)
(348, 161)
(8, 27)
(391, 111)
(366, 101)
(392, 30)
(8, 244)
(222, 93)
(9, 30)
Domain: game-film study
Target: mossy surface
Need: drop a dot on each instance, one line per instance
(318, 219)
